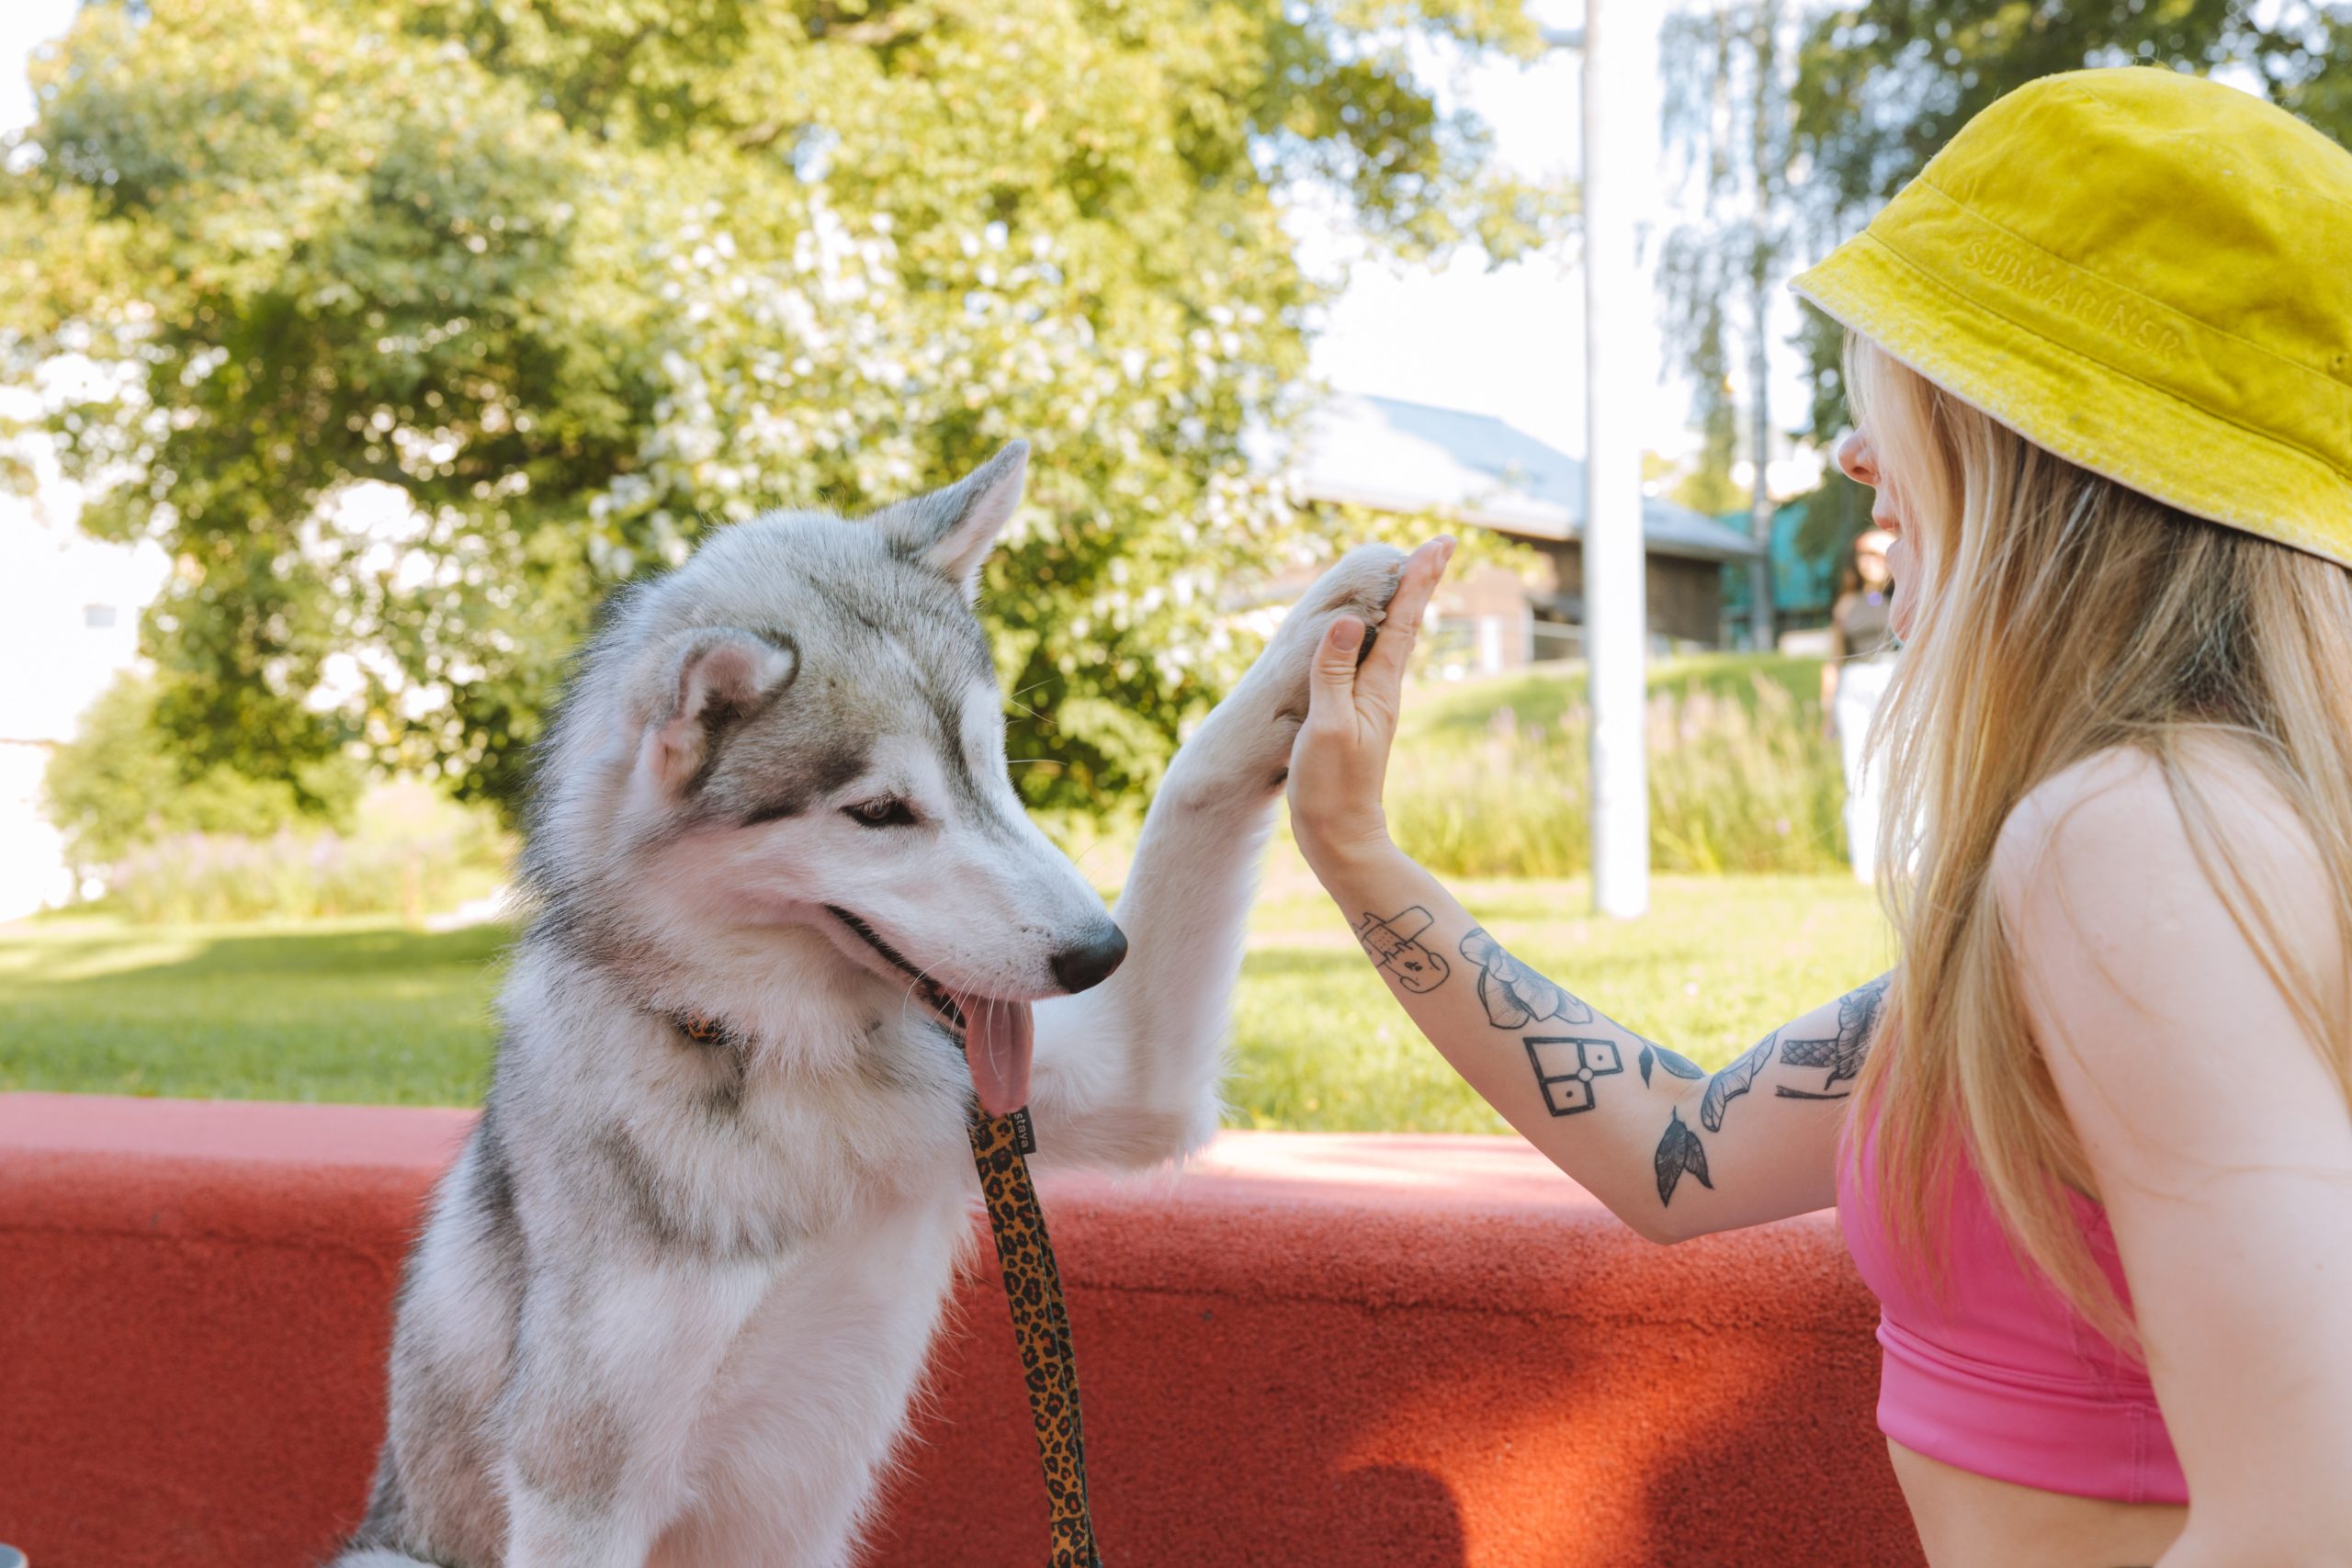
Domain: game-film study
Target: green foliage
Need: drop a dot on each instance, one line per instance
(1882, 84)
(1494, 781)
(121, 784)
(1461, 713)
(200, 877)
(409, 851)
(573, 281)
(1709, 490)
(1726, 111)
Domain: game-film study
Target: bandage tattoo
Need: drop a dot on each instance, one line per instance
(1513, 995)
(1394, 947)
(1842, 1053)
(1566, 1067)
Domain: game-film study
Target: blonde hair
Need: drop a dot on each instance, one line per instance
(2059, 615)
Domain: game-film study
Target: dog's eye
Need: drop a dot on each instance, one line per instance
(887, 812)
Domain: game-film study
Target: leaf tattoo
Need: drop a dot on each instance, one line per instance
(1733, 1081)
(1677, 1152)
(1514, 995)
(1681, 1067)
(1843, 1054)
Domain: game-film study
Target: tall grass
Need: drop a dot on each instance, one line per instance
(1741, 779)
(413, 853)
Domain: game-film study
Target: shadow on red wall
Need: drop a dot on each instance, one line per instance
(1382, 1353)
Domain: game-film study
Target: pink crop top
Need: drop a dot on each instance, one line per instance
(2000, 1377)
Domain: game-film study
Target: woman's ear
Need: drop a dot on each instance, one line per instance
(704, 685)
(951, 530)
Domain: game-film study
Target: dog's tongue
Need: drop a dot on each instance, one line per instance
(997, 1042)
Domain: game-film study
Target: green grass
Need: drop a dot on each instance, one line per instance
(361, 1010)
(1319, 1044)
(1491, 778)
(1540, 697)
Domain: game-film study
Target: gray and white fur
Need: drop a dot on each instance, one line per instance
(672, 1300)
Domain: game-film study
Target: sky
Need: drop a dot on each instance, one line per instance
(23, 24)
(1506, 341)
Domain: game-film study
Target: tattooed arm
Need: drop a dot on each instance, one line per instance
(1673, 1151)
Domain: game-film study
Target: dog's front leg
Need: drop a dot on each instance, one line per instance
(1126, 1073)
(614, 1361)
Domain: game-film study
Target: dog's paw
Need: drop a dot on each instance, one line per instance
(1360, 584)
(1247, 741)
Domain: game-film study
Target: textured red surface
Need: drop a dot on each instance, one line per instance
(1377, 1352)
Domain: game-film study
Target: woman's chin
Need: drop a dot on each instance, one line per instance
(1898, 616)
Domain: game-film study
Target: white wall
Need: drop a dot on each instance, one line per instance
(69, 621)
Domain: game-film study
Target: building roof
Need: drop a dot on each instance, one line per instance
(1392, 456)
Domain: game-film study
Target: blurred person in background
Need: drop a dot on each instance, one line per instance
(2090, 1141)
(1855, 676)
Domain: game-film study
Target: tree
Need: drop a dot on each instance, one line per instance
(118, 784)
(1882, 85)
(1726, 105)
(573, 281)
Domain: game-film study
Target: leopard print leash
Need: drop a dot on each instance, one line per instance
(1033, 1288)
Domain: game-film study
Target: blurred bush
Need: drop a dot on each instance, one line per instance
(122, 784)
(1741, 779)
(411, 853)
(173, 841)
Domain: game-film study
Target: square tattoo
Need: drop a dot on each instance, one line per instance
(1566, 1065)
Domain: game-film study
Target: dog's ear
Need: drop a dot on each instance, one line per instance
(706, 682)
(951, 530)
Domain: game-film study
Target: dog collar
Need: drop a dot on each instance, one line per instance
(1033, 1292)
(702, 1029)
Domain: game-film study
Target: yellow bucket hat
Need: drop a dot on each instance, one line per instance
(2149, 275)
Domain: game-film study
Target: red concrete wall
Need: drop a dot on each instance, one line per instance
(1382, 1352)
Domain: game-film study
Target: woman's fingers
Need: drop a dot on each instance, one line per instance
(1331, 684)
(1383, 667)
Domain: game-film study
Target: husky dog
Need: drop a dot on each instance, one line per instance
(673, 1299)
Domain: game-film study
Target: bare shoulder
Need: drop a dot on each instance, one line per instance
(2103, 888)
(2111, 829)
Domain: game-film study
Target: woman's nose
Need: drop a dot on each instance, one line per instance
(1855, 459)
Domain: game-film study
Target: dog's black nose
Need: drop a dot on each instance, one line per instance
(1086, 965)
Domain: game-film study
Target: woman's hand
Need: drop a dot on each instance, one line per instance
(1340, 759)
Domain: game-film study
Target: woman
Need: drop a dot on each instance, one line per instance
(2091, 1140)
(1853, 682)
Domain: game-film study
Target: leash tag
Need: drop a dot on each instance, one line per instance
(1024, 1133)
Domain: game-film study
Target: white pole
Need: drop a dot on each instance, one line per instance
(1759, 316)
(1616, 606)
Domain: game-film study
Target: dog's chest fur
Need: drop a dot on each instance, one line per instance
(813, 1110)
(810, 1168)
